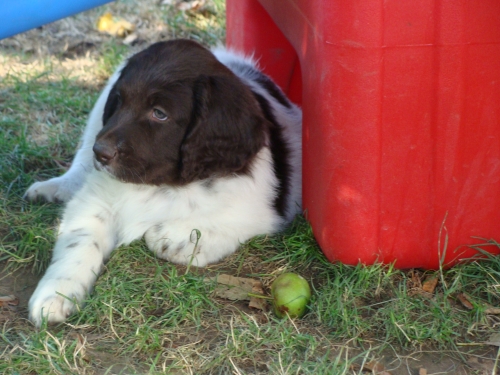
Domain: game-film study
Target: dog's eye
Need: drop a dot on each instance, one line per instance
(159, 115)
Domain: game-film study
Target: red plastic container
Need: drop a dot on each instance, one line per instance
(401, 104)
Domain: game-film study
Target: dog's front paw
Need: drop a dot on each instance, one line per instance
(200, 248)
(57, 189)
(54, 300)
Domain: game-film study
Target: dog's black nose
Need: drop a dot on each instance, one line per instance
(104, 153)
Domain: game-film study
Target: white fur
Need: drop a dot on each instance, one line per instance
(103, 213)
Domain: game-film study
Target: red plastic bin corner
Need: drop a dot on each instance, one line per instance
(401, 126)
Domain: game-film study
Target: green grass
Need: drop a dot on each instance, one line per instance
(150, 316)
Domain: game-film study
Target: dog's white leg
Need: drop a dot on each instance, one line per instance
(84, 242)
(183, 245)
(62, 188)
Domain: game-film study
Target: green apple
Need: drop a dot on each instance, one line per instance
(290, 294)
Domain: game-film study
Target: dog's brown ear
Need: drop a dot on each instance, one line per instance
(111, 105)
(226, 131)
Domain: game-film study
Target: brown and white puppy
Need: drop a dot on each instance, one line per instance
(182, 142)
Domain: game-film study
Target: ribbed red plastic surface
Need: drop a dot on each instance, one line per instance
(401, 104)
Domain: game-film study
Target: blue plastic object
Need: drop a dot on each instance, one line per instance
(17, 16)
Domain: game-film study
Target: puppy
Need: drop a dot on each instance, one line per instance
(196, 151)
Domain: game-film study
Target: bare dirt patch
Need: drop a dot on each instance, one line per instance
(20, 285)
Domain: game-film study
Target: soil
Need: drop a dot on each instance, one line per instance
(20, 284)
(474, 360)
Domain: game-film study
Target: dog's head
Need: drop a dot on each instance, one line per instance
(176, 115)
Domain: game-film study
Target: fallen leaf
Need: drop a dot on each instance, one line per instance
(230, 280)
(494, 339)
(104, 22)
(115, 26)
(422, 371)
(415, 285)
(375, 367)
(233, 293)
(8, 301)
(430, 284)
(464, 300)
(492, 311)
(238, 289)
(233, 288)
(256, 302)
